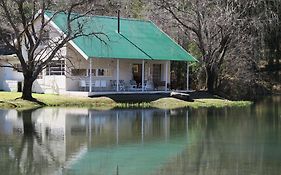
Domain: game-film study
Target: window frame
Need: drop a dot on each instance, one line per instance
(55, 68)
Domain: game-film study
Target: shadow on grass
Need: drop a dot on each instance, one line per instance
(135, 98)
(145, 97)
(34, 100)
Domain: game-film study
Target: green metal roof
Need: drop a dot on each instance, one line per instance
(138, 39)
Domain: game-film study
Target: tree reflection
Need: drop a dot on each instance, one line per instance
(231, 141)
(30, 139)
(30, 156)
(28, 126)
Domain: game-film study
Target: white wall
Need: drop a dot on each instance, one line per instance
(49, 84)
(77, 62)
(10, 74)
(9, 78)
(53, 84)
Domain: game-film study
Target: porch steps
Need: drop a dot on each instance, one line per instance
(181, 96)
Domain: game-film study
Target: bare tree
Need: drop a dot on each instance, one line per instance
(20, 18)
(215, 26)
(270, 13)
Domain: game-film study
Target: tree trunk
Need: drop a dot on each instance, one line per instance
(27, 88)
(210, 80)
(278, 54)
(28, 126)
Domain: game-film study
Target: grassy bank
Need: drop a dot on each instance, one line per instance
(12, 100)
(175, 103)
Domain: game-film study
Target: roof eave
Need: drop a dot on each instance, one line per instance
(71, 42)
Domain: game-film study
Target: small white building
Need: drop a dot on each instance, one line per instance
(134, 57)
(10, 79)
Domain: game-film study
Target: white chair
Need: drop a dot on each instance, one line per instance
(122, 85)
(113, 84)
(149, 86)
(103, 83)
(133, 85)
(97, 83)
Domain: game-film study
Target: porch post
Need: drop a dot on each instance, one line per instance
(166, 83)
(187, 76)
(166, 125)
(142, 126)
(90, 85)
(187, 124)
(142, 76)
(90, 128)
(118, 74)
(117, 127)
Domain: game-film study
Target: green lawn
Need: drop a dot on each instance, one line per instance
(12, 100)
(176, 103)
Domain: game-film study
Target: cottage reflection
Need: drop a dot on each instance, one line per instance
(52, 140)
(38, 143)
(123, 126)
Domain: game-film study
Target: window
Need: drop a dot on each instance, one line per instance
(56, 67)
(78, 72)
(100, 72)
(93, 72)
(103, 72)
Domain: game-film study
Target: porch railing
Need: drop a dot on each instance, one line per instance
(111, 85)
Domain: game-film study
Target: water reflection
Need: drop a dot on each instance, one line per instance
(57, 140)
(150, 141)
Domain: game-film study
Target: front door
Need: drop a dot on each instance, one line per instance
(137, 72)
(156, 73)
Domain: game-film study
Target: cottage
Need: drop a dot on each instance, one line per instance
(129, 55)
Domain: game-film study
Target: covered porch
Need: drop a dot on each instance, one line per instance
(107, 75)
(116, 96)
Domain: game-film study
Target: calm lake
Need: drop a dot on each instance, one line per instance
(227, 141)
